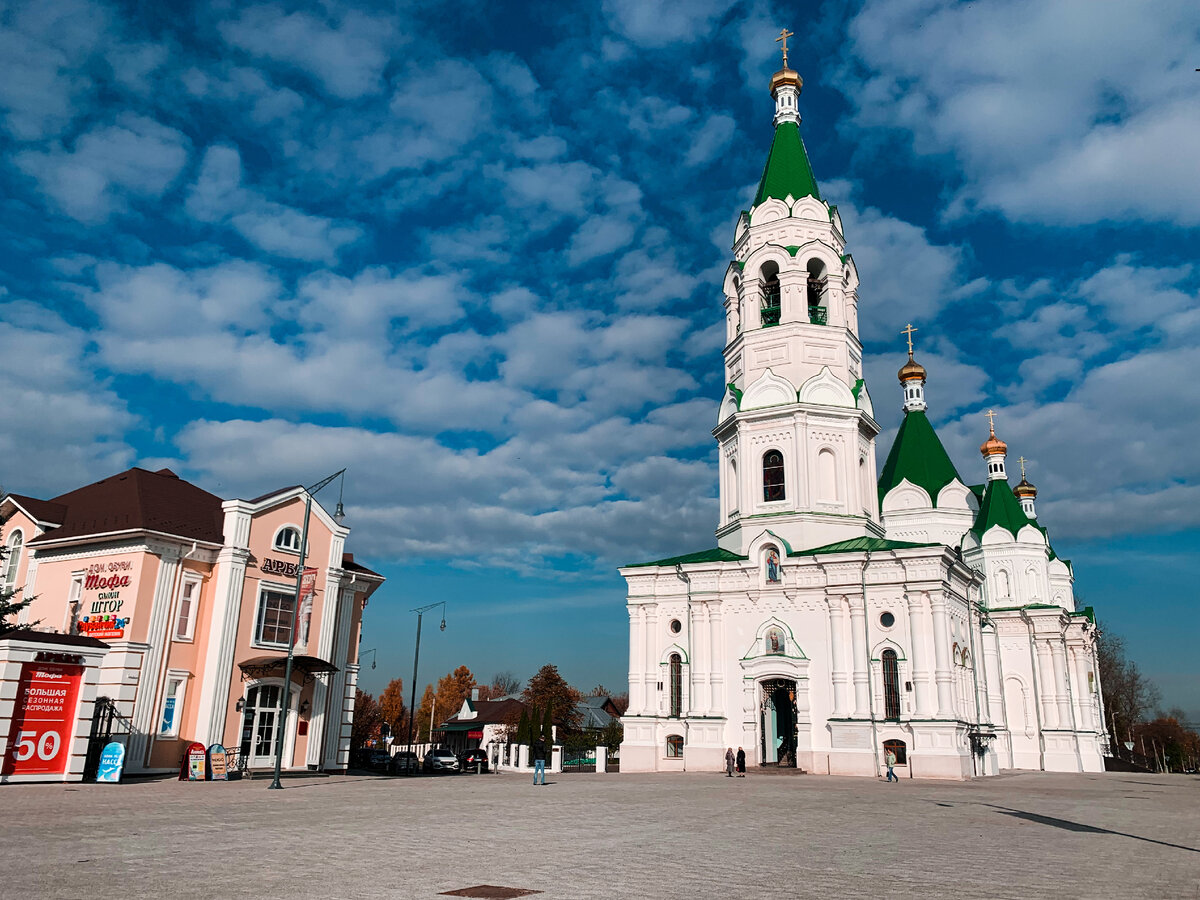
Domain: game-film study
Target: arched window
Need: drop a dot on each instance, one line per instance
(773, 480)
(674, 746)
(899, 748)
(677, 688)
(771, 307)
(776, 642)
(818, 281)
(288, 539)
(733, 486)
(891, 686)
(827, 488)
(1001, 584)
(8, 579)
(954, 654)
(966, 659)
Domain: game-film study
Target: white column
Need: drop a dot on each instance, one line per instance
(154, 662)
(651, 671)
(1083, 695)
(716, 656)
(335, 704)
(917, 661)
(637, 670)
(1046, 671)
(858, 632)
(942, 675)
(991, 662)
(837, 641)
(1062, 691)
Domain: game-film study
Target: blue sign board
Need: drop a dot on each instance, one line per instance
(112, 761)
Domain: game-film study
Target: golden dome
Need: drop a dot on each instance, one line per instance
(993, 445)
(1025, 489)
(911, 371)
(786, 76)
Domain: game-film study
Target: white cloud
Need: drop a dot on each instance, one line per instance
(347, 57)
(660, 23)
(1056, 114)
(134, 157)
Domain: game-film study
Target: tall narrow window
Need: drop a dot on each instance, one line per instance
(773, 480)
(276, 610)
(676, 686)
(189, 596)
(818, 281)
(891, 685)
(8, 579)
(733, 486)
(771, 305)
(75, 603)
(827, 484)
(172, 711)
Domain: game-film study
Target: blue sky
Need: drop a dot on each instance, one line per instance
(476, 258)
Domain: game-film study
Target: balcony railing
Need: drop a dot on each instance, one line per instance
(818, 315)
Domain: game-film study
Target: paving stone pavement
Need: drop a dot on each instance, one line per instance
(580, 837)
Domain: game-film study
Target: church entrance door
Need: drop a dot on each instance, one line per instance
(777, 716)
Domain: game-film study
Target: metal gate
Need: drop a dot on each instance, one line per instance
(107, 725)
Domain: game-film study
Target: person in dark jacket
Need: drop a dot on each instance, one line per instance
(539, 760)
(741, 763)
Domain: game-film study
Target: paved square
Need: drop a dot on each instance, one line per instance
(608, 836)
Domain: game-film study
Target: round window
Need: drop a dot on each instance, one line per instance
(676, 627)
(887, 620)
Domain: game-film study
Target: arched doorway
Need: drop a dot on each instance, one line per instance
(777, 722)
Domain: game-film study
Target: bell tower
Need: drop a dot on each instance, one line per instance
(796, 427)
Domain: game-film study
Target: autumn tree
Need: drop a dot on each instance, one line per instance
(1129, 697)
(453, 690)
(424, 713)
(393, 710)
(548, 689)
(367, 718)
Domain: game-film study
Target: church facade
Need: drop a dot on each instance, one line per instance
(842, 618)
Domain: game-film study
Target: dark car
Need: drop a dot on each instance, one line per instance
(379, 760)
(473, 760)
(404, 763)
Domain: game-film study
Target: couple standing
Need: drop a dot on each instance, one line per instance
(739, 760)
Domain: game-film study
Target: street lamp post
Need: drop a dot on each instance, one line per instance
(412, 706)
(286, 698)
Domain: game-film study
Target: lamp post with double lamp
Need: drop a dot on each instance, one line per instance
(412, 707)
(286, 698)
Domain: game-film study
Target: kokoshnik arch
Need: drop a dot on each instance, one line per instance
(840, 616)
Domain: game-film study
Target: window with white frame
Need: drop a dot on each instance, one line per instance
(288, 539)
(172, 709)
(276, 612)
(8, 578)
(189, 602)
(74, 603)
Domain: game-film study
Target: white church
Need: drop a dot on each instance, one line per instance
(841, 617)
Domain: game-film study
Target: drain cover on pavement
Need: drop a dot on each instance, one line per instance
(489, 891)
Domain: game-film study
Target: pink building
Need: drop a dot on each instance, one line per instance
(196, 596)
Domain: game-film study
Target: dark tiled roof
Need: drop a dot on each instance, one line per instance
(41, 510)
(45, 637)
(269, 494)
(717, 554)
(492, 712)
(350, 565)
(139, 499)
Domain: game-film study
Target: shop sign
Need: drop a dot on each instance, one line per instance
(39, 739)
(475, 735)
(104, 628)
(196, 760)
(112, 762)
(107, 579)
(308, 587)
(279, 567)
(218, 763)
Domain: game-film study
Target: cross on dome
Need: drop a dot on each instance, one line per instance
(991, 417)
(909, 332)
(784, 34)
(1021, 460)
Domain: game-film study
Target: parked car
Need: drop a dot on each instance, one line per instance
(473, 760)
(404, 763)
(441, 760)
(379, 760)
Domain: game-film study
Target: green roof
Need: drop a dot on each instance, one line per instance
(788, 170)
(859, 544)
(999, 507)
(717, 554)
(918, 455)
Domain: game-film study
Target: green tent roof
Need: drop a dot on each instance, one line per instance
(788, 170)
(1000, 507)
(918, 455)
(859, 544)
(717, 554)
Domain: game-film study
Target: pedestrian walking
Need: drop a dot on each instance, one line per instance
(741, 763)
(539, 760)
(728, 762)
(891, 762)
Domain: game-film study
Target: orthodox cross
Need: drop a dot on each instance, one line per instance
(784, 34)
(991, 415)
(1021, 460)
(909, 331)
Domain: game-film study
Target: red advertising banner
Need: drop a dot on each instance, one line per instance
(304, 605)
(39, 741)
